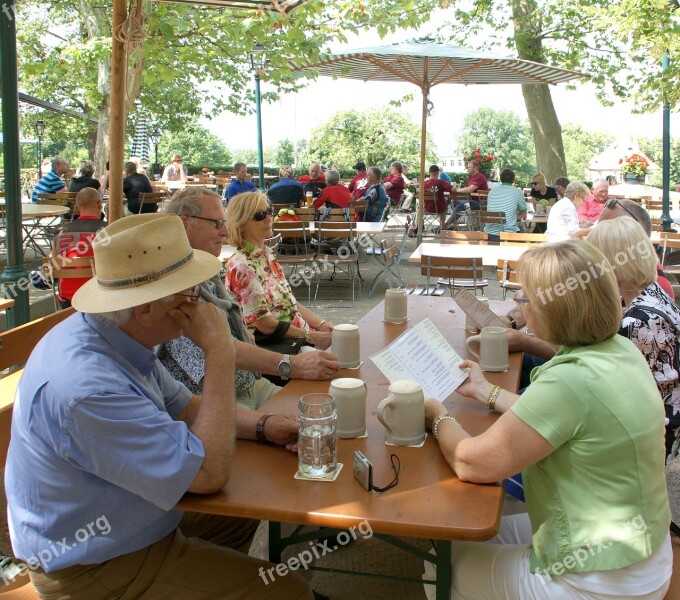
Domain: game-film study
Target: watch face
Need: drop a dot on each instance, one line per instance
(284, 366)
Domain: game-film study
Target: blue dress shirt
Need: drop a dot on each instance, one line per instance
(236, 187)
(96, 462)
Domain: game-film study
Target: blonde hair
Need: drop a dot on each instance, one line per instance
(540, 177)
(239, 211)
(630, 252)
(573, 293)
(576, 188)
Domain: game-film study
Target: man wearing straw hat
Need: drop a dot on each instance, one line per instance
(105, 442)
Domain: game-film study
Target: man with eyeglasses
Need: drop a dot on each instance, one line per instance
(203, 217)
(240, 183)
(589, 212)
(176, 171)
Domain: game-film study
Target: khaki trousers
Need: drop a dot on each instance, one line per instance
(192, 563)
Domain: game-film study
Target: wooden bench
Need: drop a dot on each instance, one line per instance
(16, 346)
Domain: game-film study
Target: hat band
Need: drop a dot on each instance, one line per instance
(145, 277)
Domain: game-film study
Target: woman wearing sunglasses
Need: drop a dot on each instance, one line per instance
(587, 435)
(255, 277)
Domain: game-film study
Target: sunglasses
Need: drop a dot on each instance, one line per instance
(261, 215)
(193, 295)
(613, 202)
(217, 222)
(536, 183)
(178, 161)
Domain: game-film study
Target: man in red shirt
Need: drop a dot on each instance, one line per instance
(476, 182)
(334, 195)
(315, 175)
(394, 183)
(589, 211)
(74, 239)
(358, 185)
(438, 186)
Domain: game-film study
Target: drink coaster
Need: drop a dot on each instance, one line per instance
(408, 445)
(331, 477)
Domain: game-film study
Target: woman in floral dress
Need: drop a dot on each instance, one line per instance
(255, 277)
(651, 320)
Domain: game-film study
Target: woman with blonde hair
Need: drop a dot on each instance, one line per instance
(255, 277)
(587, 435)
(651, 319)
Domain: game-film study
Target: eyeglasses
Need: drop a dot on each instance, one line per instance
(261, 215)
(612, 202)
(178, 161)
(217, 222)
(536, 182)
(193, 295)
(521, 298)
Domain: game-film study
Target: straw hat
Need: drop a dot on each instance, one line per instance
(139, 259)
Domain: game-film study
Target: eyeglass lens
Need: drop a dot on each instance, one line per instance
(261, 215)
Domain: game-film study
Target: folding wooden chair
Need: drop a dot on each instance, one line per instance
(389, 255)
(337, 246)
(151, 198)
(508, 238)
(295, 250)
(455, 273)
(507, 276)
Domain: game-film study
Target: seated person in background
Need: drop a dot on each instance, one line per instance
(74, 239)
(134, 184)
(492, 181)
(375, 196)
(613, 209)
(334, 195)
(203, 218)
(407, 196)
(563, 220)
(444, 176)
(651, 320)
(315, 181)
(561, 184)
(84, 179)
(358, 185)
(587, 435)
(104, 180)
(508, 199)
(175, 171)
(51, 183)
(240, 184)
(394, 183)
(540, 190)
(285, 190)
(256, 279)
(121, 442)
(611, 180)
(589, 211)
(476, 182)
(437, 186)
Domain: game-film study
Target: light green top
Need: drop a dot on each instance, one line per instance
(599, 501)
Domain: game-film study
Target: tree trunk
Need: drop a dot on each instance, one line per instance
(545, 125)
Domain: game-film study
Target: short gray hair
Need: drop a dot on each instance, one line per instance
(189, 201)
(86, 168)
(56, 162)
(600, 182)
(576, 188)
(115, 318)
(332, 177)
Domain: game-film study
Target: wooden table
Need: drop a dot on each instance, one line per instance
(429, 500)
(490, 253)
(31, 215)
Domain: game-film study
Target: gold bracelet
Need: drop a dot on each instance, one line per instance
(491, 401)
(439, 419)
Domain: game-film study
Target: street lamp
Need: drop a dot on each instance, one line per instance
(257, 61)
(155, 139)
(39, 131)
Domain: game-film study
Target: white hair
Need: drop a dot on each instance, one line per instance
(115, 318)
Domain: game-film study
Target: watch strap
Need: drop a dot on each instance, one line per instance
(259, 429)
(513, 323)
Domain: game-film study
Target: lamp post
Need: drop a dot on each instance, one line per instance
(155, 139)
(257, 61)
(39, 131)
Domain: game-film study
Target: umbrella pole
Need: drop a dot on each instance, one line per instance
(421, 176)
(117, 127)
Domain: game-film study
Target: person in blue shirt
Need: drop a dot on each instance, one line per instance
(51, 183)
(444, 176)
(286, 190)
(240, 184)
(105, 443)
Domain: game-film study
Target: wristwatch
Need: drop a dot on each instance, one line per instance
(513, 323)
(285, 367)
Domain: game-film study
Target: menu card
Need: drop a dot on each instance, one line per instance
(476, 310)
(422, 354)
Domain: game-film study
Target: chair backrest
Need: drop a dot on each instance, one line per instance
(389, 250)
(480, 196)
(273, 242)
(61, 199)
(306, 213)
(335, 229)
(337, 214)
(358, 206)
(452, 268)
(506, 271)
(464, 237)
(151, 198)
(295, 239)
(16, 344)
(486, 217)
(657, 224)
(653, 204)
(277, 207)
(292, 229)
(508, 238)
(669, 242)
(429, 197)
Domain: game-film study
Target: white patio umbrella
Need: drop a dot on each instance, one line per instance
(426, 63)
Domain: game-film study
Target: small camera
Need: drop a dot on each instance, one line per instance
(363, 470)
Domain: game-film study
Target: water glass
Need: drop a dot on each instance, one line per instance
(317, 421)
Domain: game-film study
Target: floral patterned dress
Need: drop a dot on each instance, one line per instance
(255, 277)
(657, 338)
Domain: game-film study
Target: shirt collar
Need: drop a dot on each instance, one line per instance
(141, 357)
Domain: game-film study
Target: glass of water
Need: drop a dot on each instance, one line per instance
(317, 453)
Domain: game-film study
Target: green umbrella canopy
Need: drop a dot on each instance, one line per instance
(426, 63)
